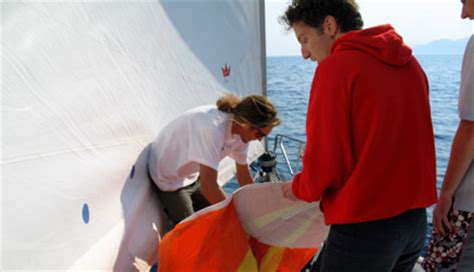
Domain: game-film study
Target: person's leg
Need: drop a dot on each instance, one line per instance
(455, 250)
(199, 200)
(358, 247)
(467, 258)
(178, 204)
(413, 236)
(369, 246)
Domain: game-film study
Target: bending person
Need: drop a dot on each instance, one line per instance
(185, 156)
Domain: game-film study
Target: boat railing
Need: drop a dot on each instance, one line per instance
(287, 151)
(280, 140)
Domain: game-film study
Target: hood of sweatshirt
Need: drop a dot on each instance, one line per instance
(381, 42)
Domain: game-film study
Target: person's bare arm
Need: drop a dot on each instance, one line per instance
(243, 174)
(209, 186)
(461, 157)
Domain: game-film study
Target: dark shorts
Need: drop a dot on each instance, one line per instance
(392, 244)
(182, 202)
(455, 251)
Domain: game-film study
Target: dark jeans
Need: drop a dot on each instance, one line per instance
(183, 202)
(392, 244)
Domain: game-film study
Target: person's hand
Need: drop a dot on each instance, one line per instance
(440, 215)
(287, 191)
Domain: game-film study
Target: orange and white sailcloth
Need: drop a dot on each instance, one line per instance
(256, 229)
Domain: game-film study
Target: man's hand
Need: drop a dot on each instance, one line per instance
(287, 191)
(440, 215)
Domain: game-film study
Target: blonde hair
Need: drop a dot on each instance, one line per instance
(255, 110)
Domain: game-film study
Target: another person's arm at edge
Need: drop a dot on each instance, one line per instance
(209, 186)
(243, 174)
(461, 157)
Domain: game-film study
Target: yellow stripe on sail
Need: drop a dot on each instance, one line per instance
(300, 231)
(271, 260)
(248, 263)
(270, 217)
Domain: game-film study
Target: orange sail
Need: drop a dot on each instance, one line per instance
(256, 229)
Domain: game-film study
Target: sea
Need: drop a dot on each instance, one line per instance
(288, 84)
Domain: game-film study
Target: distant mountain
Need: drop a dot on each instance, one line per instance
(441, 47)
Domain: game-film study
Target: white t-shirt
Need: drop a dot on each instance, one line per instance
(466, 94)
(200, 136)
(464, 195)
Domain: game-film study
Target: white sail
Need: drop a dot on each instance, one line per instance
(85, 87)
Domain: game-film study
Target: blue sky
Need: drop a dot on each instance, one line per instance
(418, 21)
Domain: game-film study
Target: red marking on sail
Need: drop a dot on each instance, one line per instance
(225, 70)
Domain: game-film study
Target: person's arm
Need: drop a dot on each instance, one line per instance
(209, 186)
(461, 157)
(327, 161)
(243, 174)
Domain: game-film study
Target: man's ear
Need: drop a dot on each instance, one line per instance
(330, 26)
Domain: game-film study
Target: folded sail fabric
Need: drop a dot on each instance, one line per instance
(256, 229)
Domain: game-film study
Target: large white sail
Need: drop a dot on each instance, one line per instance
(85, 87)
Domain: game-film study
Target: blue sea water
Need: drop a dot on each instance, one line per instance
(288, 84)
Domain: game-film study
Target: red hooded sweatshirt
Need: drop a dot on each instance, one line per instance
(370, 150)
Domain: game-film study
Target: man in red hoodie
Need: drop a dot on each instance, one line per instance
(370, 156)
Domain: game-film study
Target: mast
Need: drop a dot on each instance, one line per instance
(263, 58)
(263, 54)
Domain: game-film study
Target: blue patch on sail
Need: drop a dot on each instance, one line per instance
(133, 172)
(85, 213)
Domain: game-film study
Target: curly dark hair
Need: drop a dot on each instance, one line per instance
(313, 13)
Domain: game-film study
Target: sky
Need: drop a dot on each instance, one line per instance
(418, 21)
